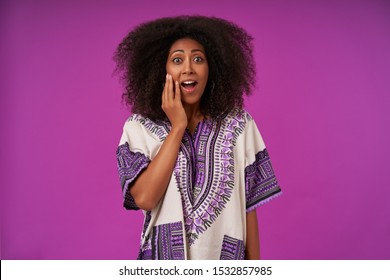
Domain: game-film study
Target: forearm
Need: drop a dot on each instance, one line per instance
(152, 183)
(252, 251)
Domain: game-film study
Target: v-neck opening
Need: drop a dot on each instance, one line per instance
(193, 135)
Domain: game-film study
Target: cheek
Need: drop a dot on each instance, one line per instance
(175, 76)
(206, 72)
(172, 71)
(167, 68)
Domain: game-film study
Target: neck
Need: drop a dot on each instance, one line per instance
(194, 116)
(193, 112)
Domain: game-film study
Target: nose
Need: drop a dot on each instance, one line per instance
(187, 67)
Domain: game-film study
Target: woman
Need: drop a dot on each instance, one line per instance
(190, 156)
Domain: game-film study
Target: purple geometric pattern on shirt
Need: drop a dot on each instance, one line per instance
(205, 172)
(164, 243)
(145, 252)
(158, 128)
(232, 249)
(148, 218)
(130, 164)
(260, 181)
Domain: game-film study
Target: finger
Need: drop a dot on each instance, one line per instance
(170, 94)
(165, 90)
(177, 91)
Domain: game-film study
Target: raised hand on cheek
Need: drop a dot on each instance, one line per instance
(172, 105)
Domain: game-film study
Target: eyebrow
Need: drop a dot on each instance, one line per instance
(192, 51)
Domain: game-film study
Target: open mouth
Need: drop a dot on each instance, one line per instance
(189, 85)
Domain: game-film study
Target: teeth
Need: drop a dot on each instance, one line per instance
(188, 82)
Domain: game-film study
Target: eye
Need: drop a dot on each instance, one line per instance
(176, 60)
(198, 59)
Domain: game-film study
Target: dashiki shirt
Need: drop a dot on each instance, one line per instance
(222, 172)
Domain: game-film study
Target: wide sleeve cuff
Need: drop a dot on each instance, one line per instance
(260, 181)
(130, 165)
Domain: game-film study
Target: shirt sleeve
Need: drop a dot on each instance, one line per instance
(133, 156)
(260, 181)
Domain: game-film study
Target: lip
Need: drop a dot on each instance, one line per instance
(189, 80)
(186, 89)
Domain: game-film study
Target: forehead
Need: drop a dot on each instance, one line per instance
(186, 44)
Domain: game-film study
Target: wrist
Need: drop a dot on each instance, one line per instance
(178, 129)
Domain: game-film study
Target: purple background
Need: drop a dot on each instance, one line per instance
(321, 103)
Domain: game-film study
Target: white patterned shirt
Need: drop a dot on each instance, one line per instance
(222, 172)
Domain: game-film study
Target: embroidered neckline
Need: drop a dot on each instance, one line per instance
(204, 172)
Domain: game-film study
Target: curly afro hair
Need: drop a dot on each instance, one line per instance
(141, 59)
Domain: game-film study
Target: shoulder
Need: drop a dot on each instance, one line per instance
(239, 115)
(140, 120)
(137, 119)
(138, 123)
(234, 125)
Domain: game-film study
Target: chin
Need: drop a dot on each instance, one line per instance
(189, 100)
